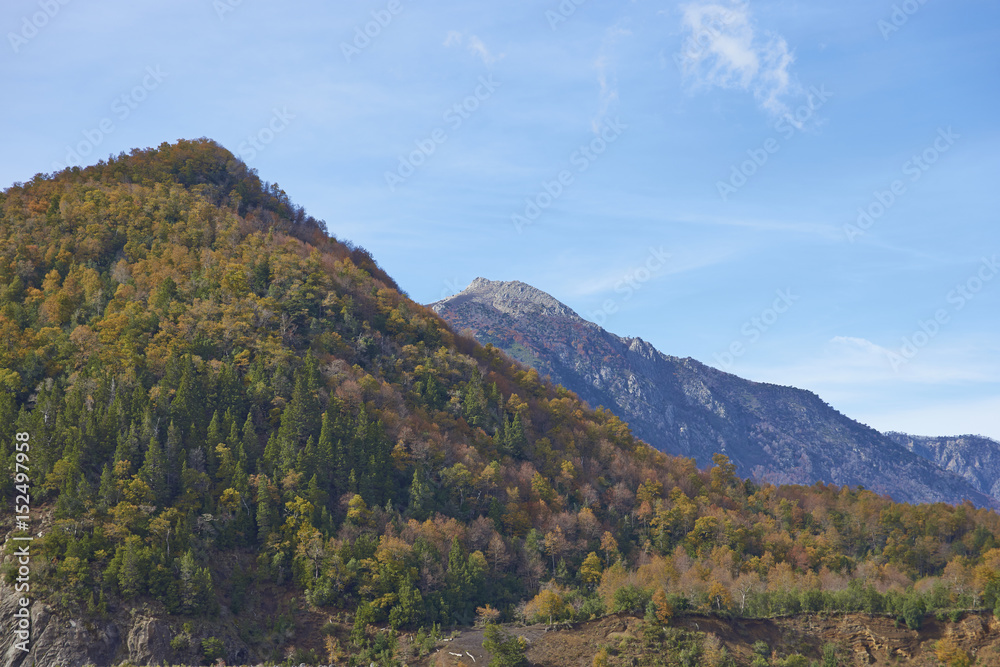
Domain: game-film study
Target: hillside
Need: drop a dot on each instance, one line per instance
(680, 406)
(241, 441)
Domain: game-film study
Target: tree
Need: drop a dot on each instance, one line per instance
(267, 513)
(409, 607)
(154, 472)
(474, 401)
(951, 654)
(723, 474)
(421, 495)
(747, 583)
(609, 545)
(357, 511)
(132, 574)
(718, 595)
(555, 544)
(662, 607)
(505, 649)
(548, 605)
(590, 570)
(913, 611)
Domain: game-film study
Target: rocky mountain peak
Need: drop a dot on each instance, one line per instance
(511, 297)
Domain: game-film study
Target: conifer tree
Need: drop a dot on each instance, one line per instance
(154, 472)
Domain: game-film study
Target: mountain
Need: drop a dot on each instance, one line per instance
(974, 457)
(779, 434)
(227, 435)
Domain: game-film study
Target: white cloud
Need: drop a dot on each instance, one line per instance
(475, 45)
(724, 49)
(607, 80)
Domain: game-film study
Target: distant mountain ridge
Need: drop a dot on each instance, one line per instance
(683, 407)
(974, 457)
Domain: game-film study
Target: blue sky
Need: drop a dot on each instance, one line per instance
(690, 173)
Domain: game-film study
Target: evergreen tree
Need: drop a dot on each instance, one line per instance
(421, 495)
(267, 514)
(154, 472)
(131, 573)
(249, 439)
(474, 401)
(174, 454)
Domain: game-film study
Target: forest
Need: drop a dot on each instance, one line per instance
(209, 378)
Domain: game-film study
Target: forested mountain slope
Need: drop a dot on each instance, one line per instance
(246, 443)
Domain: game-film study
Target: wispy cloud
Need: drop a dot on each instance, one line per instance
(607, 79)
(845, 364)
(948, 390)
(474, 44)
(725, 49)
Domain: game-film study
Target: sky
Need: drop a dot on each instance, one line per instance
(801, 193)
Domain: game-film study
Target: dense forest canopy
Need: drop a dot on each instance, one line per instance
(208, 378)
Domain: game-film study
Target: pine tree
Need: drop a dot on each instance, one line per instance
(326, 455)
(189, 592)
(131, 575)
(154, 472)
(267, 515)
(249, 439)
(421, 495)
(174, 454)
(474, 401)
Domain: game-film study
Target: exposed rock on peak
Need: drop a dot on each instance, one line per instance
(510, 297)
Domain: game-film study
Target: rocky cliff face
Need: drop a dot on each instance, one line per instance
(975, 458)
(681, 406)
(130, 635)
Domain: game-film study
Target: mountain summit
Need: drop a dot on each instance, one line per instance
(681, 406)
(512, 298)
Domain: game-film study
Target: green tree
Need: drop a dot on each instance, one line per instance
(409, 607)
(505, 649)
(133, 570)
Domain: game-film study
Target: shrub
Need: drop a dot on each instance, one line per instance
(829, 655)
(913, 612)
(950, 654)
(212, 649)
(180, 643)
(506, 649)
(630, 598)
